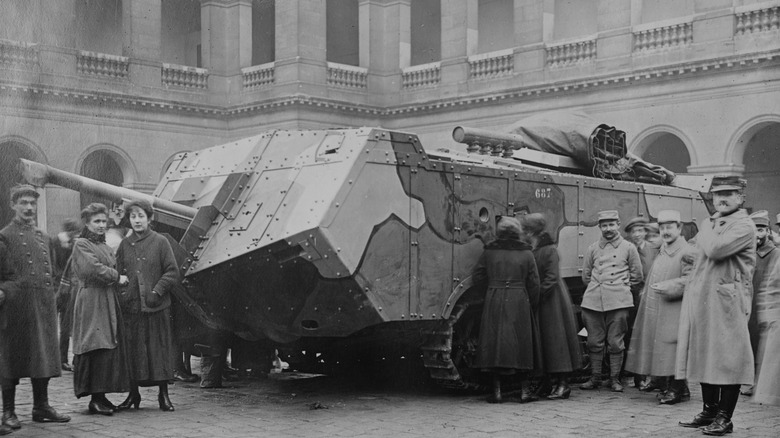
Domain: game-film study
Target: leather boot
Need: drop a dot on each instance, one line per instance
(615, 365)
(526, 394)
(163, 399)
(496, 397)
(710, 395)
(562, 390)
(595, 365)
(9, 408)
(677, 393)
(729, 395)
(133, 399)
(41, 411)
(211, 372)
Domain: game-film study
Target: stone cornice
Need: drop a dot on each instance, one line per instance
(301, 101)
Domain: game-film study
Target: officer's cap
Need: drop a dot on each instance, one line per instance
(608, 215)
(20, 190)
(761, 218)
(724, 183)
(666, 216)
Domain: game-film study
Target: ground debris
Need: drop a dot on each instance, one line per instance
(317, 405)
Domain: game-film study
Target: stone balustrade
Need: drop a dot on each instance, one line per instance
(18, 54)
(185, 76)
(349, 76)
(492, 64)
(258, 75)
(664, 36)
(102, 64)
(422, 75)
(758, 20)
(570, 53)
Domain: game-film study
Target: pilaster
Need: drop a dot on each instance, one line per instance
(141, 21)
(459, 36)
(226, 36)
(529, 35)
(614, 26)
(300, 43)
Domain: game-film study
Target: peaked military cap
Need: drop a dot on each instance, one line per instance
(608, 215)
(723, 183)
(761, 218)
(665, 216)
(778, 219)
(23, 190)
(637, 221)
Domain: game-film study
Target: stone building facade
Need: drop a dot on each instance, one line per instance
(113, 89)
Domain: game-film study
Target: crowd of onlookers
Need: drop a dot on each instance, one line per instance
(657, 307)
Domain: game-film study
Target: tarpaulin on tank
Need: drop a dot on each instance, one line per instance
(599, 148)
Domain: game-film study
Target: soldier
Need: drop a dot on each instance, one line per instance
(714, 344)
(28, 333)
(612, 270)
(637, 232)
(766, 314)
(653, 346)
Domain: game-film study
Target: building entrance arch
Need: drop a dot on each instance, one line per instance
(756, 148)
(106, 165)
(665, 146)
(12, 149)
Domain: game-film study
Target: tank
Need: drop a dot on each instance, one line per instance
(335, 243)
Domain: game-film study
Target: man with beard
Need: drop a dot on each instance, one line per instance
(653, 346)
(765, 319)
(714, 343)
(28, 315)
(612, 270)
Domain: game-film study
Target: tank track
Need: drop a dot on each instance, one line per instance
(448, 358)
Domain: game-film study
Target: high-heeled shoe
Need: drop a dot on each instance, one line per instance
(563, 390)
(165, 401)
(96, 407)
(133, 400)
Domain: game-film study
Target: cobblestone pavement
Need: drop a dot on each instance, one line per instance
(289, 405)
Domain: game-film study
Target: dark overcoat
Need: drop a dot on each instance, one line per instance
(509, 335)
(557, 325)
(713, 342)
(95, 319)
(28, 319)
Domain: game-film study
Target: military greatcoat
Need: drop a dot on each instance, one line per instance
(714, 343)
(28, 318)
(653, 346)
(767, 308)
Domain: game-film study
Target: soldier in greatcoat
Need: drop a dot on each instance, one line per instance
(653, 347)
(714, 344)
(766, 311)
(28, 313)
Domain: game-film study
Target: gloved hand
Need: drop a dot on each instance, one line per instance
(153, 299)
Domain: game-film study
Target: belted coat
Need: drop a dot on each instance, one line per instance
(767, 315)
(29, 346)
(653, 346)
(509, 334)
(713, 341)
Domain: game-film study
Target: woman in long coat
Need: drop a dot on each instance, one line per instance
(557, 325)
(508, 335)
(147, 259)
(100, 359)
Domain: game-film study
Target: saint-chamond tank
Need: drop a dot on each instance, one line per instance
(330, 241)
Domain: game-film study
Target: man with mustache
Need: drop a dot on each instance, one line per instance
(653, 347)
(28, 314)
(611, 269)
(714, 343)
(765, 318)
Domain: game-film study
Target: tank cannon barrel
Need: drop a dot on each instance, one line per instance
(39, 175)
(488, 142)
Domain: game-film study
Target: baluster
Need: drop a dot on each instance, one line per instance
(774, 20)
(765, 20)
(756, 26)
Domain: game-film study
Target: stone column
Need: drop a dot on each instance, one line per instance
(459, 39)
(141, 26)
(532, 22)
(226, 36)
(385, 44)
(300, 46)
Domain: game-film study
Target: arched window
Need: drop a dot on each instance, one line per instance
(11, 152)
(102, 165)
(669, 151)
(762, 169)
